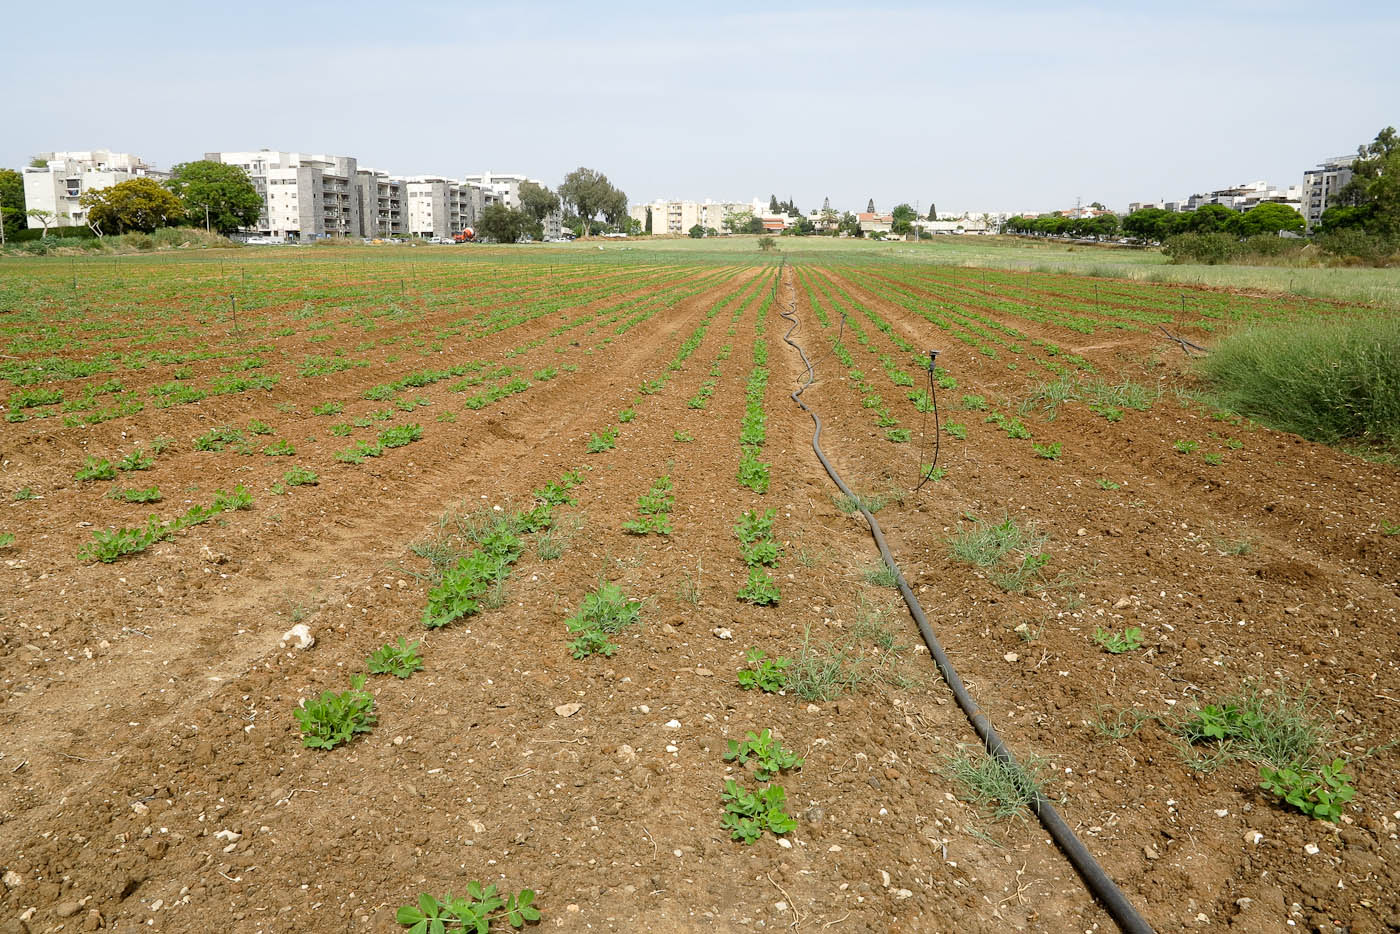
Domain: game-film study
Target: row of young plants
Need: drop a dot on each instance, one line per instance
(110, 545)
(753, 430)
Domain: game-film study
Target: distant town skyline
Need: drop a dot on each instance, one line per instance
(1003, 106)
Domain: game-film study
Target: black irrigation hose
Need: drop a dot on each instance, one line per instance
(1099, 884)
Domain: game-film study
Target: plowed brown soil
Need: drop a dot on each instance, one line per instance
(149, 702)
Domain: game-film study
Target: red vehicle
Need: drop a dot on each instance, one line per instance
(466, 236)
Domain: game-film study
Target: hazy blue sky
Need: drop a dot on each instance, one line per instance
(991, 105)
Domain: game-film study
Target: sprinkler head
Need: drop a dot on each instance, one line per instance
(932, 358)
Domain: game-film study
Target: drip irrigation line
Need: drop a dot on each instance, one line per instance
(1095, 879)
(925, 477)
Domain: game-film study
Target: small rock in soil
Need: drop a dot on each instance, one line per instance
(568, 710)
(722, 633)
(299, 637)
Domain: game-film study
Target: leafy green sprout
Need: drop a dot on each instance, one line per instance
(399, 659)
(474, 912)
(1130, 639)
(767, 674)
(1048, 451)
(333, 719)
(23, 494)
(769, 755)
(1185, 447)
(760, 589)
(999, 788)
(748, 814)
(1107, 484)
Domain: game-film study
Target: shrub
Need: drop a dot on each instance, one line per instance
(1326, 380)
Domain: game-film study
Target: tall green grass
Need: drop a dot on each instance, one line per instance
(1328, 380)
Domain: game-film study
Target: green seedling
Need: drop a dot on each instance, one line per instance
(400, 435)
(683, 437)
(768, 754)
(25, 493)
(957, 430)
(7, 539)
(754, 526)
(300, 476)
(1117, 643)
(765, 552)
(399, 660)
(150, 494)
(256, 427)
(472, 914)
(1213, 459)
(328, 408)
(334, 718)
(1318, 793)
(216, 439)
(1185, 447)
(341, 430)
(653, 509)
(280, 448)
(932, 473)
(604, 440)
(1110, 412)
(603, 612)
(627, 414)
(753, 473)
(136, 460)
(1001, 789)
(898, 435)
(767, 674)
(1048, 451)
(974, 403)
(747, 815)
(760, 590)
(95, 468)
(1387, 527)
(1107, 484)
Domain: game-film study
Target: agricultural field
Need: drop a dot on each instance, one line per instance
(337, 577)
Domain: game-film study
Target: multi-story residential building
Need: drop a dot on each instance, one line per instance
(677, 217)
(64, 177)
(1321, 184)
(506, 187)
(383, 204)
(439, 207)
(304, 196)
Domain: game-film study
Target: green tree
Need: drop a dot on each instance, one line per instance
(136, 204)
(773, 206)
(221, 195)
(11, 202)
(802, 227)
(1211, 218)
(754, 226)
(648, 224)
(904, 217)
(1269, 218)
(1153, 224)
(537, 201)
(590, 193)
(767, 243)
(849, 224)
(1375, 186)
(932, 212)
(502, 224)
(43, 217)
(829, 219)
(870, 206)
(737, 221)
(697, 232)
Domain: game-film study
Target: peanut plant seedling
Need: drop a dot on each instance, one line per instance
(604, 440)
(216, 439)
(1117, 643)
(767, 674)
(1387, 527)
(334, 718)
(760, 589)
(1213, 459)
(898, 435)
(136, 460)
(7, 539)
(606, 611)
(472, 914)
(328, 408)
(932, 473)
(1107, 484)
(23, 494)
(957, 430)
(653, 510)
(1185, 447)
(1318, 793)
(400, 660)
(95, 468)
(753, 473)
(748, 814)
(280, 448)
(683, 437)
(769, 755)
(400, 435)
(1049, 452)
(341, 430)
(150, 494)
(627, 414)
(256, 427)
(300, 476)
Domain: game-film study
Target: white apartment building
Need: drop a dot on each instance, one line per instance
(1321, 184)
(677, 217)
(383, 204)
(64, 177)
(440, 207)
(1249, 195)
(506, 187)
(305, 196)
